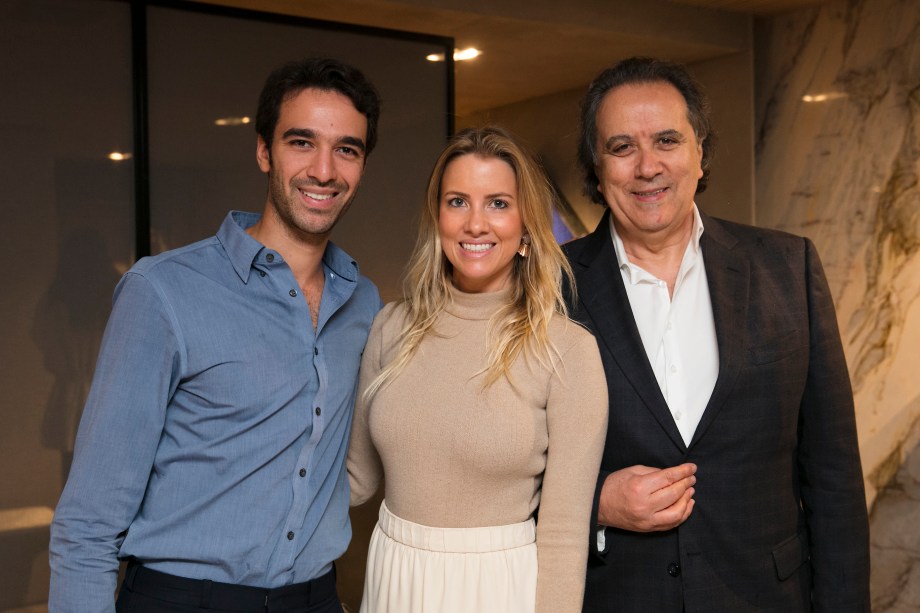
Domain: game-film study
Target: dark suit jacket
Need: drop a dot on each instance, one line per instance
(780, 518)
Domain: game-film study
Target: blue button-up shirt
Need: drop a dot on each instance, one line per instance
(213, 442)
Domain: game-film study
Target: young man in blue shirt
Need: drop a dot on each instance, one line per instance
(211, 450)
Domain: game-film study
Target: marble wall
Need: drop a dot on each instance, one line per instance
(837, 160)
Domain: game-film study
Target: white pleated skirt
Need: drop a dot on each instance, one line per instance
(413, 568)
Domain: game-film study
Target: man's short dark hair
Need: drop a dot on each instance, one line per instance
(633, 71)
(320, 73)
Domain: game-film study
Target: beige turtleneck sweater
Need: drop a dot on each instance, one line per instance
(458, 456)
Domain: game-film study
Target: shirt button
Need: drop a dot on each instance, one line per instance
(262, 272)
(674, 569)
(318, 410)
(303, 472)
(290, 536)
(270, 258)
(293, 293)
(678, 415)
(316, 351)
(673, 368)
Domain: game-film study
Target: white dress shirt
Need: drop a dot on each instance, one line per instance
(678, 332)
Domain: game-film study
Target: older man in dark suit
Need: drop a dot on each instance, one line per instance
(731, 479)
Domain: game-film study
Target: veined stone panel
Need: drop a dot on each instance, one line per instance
(838, 160)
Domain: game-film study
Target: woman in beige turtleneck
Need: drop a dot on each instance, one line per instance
(480, 403)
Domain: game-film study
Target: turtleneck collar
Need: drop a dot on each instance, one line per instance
(479, 306)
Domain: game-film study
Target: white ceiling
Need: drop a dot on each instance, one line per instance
(533, 48)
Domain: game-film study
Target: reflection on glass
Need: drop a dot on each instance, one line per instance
(68, 212)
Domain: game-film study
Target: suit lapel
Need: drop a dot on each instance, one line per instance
(728, 275)
(603, 295)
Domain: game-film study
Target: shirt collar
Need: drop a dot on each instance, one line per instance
(695, 235)
(340, 263)
(243, 249)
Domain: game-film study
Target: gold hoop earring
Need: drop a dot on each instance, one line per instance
(525, 246)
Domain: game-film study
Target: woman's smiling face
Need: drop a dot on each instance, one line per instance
(479, 222)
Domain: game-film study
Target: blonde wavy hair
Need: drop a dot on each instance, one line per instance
(522, 325)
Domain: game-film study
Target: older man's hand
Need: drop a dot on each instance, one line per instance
(645, 499)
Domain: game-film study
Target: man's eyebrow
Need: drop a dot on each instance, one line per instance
(302, 132)
(354, 141)
(621, 138)
(670, 133)
(351, 141)
(617, 138)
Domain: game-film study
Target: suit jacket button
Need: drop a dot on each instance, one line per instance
(674, 569)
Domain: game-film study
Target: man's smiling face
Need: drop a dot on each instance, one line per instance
(648, 158)
(316, 160)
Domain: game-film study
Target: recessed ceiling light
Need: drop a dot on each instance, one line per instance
(232, 121)
(460, 55)
(466, 54)
(118, 156)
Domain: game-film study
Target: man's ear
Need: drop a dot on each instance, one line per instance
(699, 151)
(263, 155)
